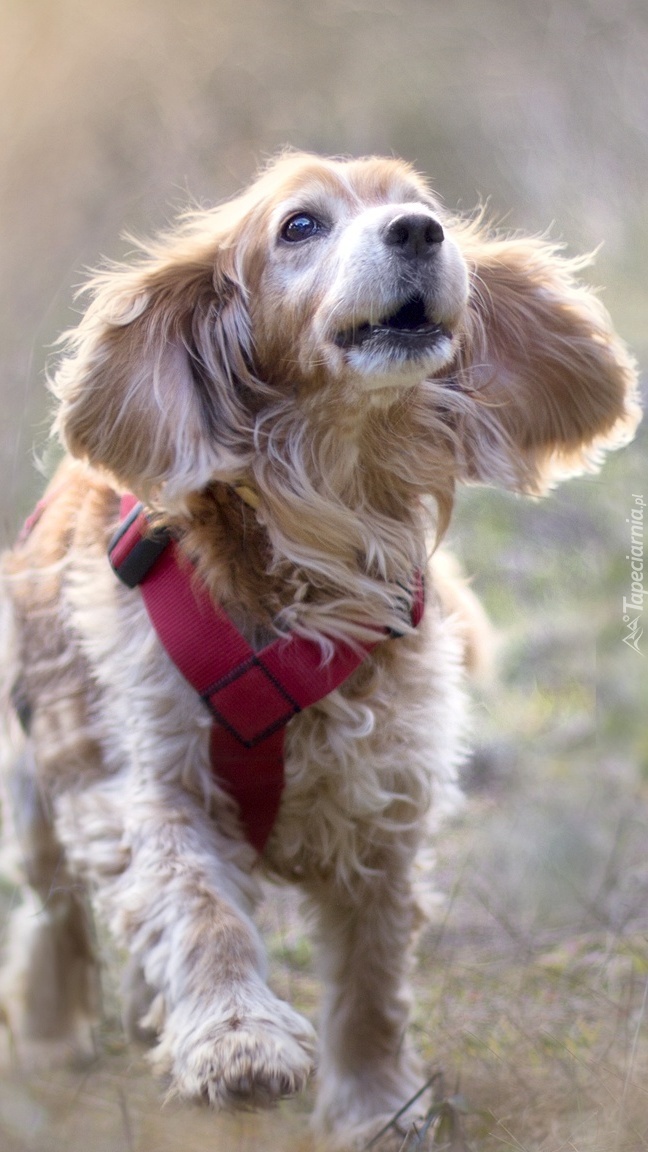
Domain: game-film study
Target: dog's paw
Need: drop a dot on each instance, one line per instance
(247, 1056)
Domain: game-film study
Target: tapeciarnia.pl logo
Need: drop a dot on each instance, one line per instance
(633, 605)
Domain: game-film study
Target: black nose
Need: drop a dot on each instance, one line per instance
(414, 234)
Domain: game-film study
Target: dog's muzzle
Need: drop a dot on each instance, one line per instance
(408, 325)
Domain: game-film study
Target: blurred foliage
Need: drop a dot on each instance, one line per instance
(113, 114)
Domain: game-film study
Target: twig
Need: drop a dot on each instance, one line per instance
(396, 1117)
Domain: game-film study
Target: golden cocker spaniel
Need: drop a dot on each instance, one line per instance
(292, 384)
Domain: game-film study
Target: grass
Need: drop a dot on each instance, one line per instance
(532, 983)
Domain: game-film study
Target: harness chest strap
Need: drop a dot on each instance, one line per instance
(251, 695)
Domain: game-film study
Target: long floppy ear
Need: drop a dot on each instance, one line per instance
(552, 384)
(149, 388)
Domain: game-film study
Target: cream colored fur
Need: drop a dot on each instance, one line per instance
(233, 353)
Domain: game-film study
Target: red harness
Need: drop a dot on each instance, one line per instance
(251, 695)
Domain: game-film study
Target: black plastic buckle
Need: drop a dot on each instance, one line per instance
(136, 557)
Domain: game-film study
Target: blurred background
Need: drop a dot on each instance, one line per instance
(532, 983)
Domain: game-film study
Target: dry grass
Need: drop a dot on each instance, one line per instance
(534, 1027)
(531, 987)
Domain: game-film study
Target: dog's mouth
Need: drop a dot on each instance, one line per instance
(409, 326)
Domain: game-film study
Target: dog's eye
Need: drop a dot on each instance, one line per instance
(301, 226)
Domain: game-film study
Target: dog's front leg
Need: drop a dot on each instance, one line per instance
(181, 907)
(367, 1070)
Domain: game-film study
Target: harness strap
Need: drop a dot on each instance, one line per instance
(251, 695)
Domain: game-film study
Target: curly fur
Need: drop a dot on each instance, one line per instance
(225, 354)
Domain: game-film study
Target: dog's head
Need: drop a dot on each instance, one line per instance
(354, 283)
(330, 297)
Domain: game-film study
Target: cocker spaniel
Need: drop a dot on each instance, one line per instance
(273, 402)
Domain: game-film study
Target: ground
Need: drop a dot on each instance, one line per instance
(532, 979)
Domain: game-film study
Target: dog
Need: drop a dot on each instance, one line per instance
(286, 389)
